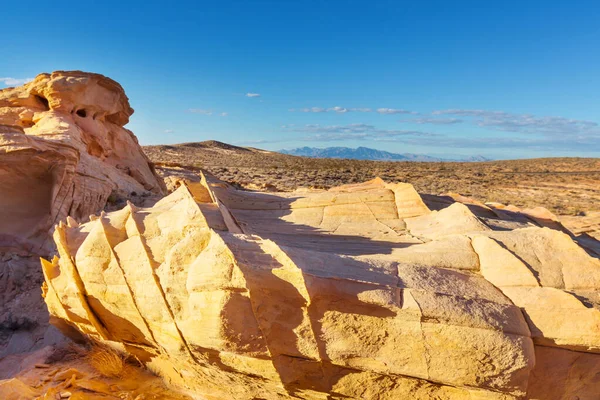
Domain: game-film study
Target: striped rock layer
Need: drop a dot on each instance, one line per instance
(356, 292)
(63, 151)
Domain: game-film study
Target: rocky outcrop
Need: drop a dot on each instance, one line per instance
(356, 292)
(63, 153)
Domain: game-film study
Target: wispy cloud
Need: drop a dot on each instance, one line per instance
(327, 133)
(15, 81)
(581, 143)
(336, 109)
(252, 94)
(335, 133)
(469, 113)
(203, 111)
(394, 111)
(434, 121)
(261, 141)
(199, 111)
(308, 110)
(520, 143)
(169, 131)
(527, 123)
(497, 120)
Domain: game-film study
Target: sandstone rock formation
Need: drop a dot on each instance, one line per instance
(63, 153)
(356, 292)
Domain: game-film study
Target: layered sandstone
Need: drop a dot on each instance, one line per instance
(356, 292)
(63, 153)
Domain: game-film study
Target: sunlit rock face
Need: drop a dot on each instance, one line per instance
(63, 152)
(356, 292)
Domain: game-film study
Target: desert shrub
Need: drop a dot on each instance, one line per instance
(107, 361)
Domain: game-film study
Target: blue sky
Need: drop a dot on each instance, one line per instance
(505, 79)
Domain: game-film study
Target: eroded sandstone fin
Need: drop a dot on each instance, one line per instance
(455, 219)
(106, 289)
(68, 282)
(408, 202)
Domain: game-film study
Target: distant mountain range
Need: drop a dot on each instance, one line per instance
(365, 153)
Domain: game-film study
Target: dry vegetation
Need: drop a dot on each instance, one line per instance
(107, 361)
(566, 186)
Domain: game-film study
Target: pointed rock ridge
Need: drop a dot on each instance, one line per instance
(455, 219)
(477, 207)
(539, 215)
(237, 294)
(408, 202)
(65, 152)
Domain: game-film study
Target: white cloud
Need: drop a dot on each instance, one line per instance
(434, 121)
(15, 81)
(328, 133)
(308, 110)
(203, 111)
(336, 109)
(343, 110)
(260, 141)
(331, 133)
(252, 94)
(469, 113)
(394, 111)
(169, 131)
(527, 123)
(199, 111)
(489, 142)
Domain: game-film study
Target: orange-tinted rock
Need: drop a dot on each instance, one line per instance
(63, 151)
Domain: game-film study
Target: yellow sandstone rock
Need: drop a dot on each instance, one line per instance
(336, 294)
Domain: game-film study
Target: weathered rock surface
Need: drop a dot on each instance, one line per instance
(356, 292)
(63, 153)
